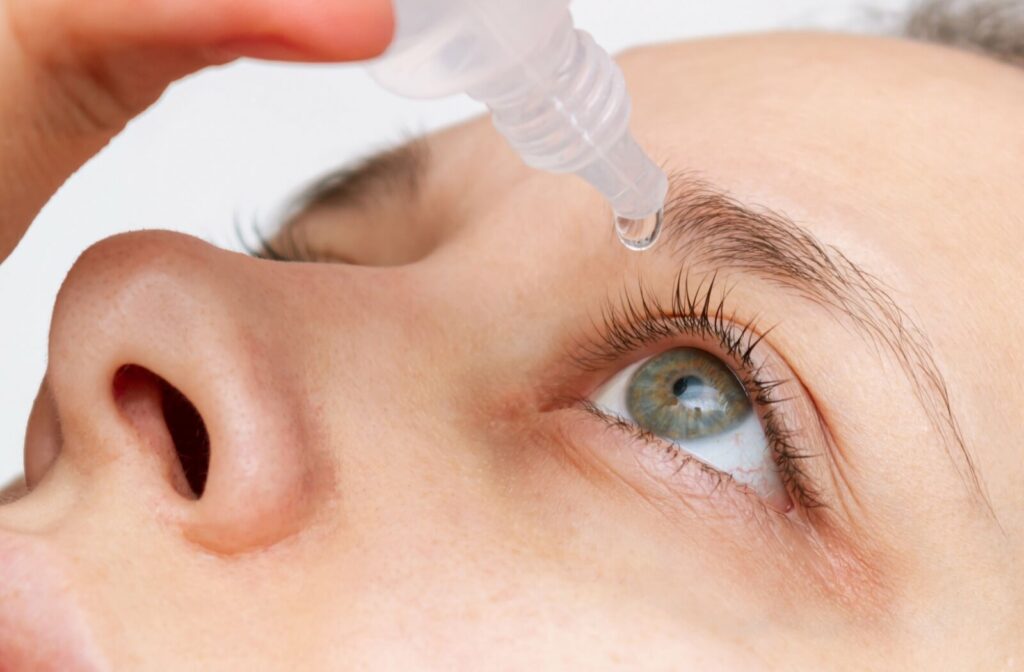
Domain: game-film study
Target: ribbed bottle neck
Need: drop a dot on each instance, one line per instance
(562, 105)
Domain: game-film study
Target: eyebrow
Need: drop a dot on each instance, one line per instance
(706, 224)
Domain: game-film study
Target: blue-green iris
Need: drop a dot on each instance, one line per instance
(685, 394)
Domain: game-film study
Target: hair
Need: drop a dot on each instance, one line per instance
(991, 27)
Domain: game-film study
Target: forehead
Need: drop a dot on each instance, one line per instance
(884, 147)
(877, 135)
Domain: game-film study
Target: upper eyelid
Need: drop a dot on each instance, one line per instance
(392, 174)
(635, 321)
(397, 173)
(287, 245)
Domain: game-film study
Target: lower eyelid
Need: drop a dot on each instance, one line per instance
(706, 504)
(658, 470)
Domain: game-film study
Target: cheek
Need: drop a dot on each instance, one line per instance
(674, 537)
(533, 571)
(582, 500)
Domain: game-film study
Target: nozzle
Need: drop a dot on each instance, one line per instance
(635, 187)
(566, 109)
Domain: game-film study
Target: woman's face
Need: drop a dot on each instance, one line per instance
(423, 450)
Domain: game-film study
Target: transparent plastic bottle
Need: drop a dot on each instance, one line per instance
(557, 97)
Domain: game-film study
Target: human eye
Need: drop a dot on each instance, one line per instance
(702, 386)
(692, 399)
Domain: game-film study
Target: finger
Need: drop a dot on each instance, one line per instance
(73, 73)
(317, 30)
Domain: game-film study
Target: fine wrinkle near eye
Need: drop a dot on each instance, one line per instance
(693, 400)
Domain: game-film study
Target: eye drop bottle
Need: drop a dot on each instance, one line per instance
(553, 93)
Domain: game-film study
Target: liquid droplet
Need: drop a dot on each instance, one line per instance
(639, 234)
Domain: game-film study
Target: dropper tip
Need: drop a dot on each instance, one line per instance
(639, 234)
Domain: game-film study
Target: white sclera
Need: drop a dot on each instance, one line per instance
(742, 452)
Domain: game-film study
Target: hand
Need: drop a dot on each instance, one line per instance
(73, 73)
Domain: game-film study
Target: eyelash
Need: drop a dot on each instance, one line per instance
(636, 323)
(291, 247)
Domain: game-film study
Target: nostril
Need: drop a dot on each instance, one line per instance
(191, 441)
(183, 422)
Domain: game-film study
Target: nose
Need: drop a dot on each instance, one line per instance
(156, 343)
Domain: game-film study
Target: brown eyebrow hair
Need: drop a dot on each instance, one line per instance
(705, 224)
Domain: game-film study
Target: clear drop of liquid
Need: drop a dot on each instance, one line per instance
(639, 234)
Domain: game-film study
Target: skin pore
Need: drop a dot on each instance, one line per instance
(402, 474)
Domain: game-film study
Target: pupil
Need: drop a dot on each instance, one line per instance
(680, 386)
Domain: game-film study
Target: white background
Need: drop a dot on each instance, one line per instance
(237, 141)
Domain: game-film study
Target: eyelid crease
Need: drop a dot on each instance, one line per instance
(705, 224)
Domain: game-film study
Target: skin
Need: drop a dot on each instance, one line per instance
(398, 481)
